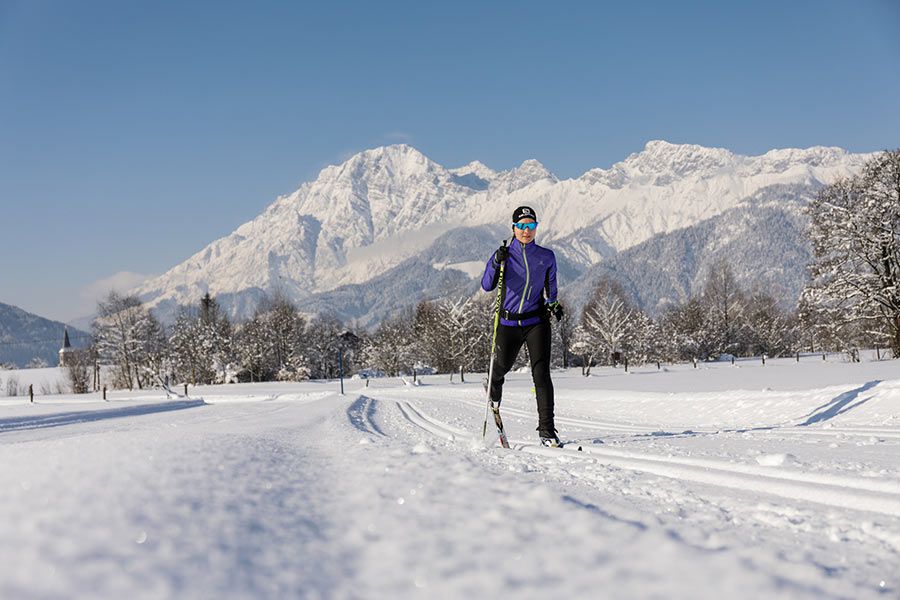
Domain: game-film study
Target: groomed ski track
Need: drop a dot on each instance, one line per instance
(844, 492)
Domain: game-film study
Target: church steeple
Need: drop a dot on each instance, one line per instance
(66, 349)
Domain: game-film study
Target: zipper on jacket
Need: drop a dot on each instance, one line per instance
(527, 281)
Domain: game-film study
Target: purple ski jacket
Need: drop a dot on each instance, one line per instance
(530, 277)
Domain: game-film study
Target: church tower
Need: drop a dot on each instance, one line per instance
(66, 349)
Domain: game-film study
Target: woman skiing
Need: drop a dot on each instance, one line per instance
(528, 298)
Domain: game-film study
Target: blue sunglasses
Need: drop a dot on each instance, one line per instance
(524, 226)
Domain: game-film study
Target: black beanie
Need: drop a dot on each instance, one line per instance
(524, 212)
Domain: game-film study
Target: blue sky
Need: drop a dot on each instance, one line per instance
(134, 133)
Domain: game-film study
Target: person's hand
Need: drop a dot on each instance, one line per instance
(555, 309)
(501, 254)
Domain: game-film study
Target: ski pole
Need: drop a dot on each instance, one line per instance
(497, 307)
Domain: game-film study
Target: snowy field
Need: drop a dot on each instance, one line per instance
(751, 481)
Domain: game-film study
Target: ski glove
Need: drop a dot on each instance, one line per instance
(555, 309)
(501, 254)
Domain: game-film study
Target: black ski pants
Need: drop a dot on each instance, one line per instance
(509, 342)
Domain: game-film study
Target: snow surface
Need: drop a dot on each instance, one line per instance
(775, 481)
(47, 378)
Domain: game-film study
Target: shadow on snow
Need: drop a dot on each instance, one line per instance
(87, 416)
(839, 405)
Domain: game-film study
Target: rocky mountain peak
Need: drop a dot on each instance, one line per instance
(662, 157)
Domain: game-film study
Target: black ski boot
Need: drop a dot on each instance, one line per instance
(549, 438)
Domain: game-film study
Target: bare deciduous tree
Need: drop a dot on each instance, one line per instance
(607, 320)
(855, 233)
(724, 303)
(391, 348)
(130, 338)
(767, 329)
(79, 369)
(563, 336)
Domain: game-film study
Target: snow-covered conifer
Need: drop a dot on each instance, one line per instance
(201, 343)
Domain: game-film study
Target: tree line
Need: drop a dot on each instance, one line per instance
(448, 336)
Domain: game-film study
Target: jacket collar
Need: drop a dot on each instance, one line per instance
(518, 245)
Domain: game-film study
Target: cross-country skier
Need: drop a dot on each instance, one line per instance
(529, 298)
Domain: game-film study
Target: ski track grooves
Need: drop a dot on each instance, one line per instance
(844, 492)
(643, 429)
(577, 422)
(362, 415)
(429, 424)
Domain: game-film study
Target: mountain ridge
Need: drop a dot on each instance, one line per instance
(358, 220)
(25, 335)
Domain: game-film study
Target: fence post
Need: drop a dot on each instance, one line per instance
(764, 359)
(341, 368)
(823, 357)
(414, 375)
(462, 378)
(185, 390)
(732, 360)
(878, 352)
(658, 366)
(104, 392)
(695, 362)
(31, 392)
(626, 364)
(798, 356)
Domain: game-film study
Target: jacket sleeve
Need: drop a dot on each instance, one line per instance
(550, 289)
(491, 275)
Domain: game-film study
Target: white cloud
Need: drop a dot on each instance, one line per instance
(123, 281)
(399, 137)
(119, 282)
(346, 155)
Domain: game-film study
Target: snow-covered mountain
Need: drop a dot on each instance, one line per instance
(361, 220)
(762, 239)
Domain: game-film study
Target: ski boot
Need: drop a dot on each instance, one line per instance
(549, 438)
